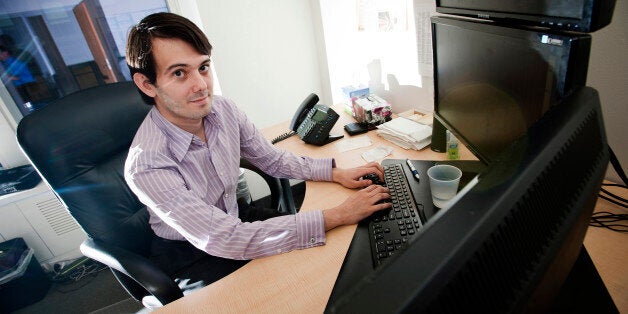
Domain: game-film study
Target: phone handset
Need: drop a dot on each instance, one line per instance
(299, 116)
(304, 108)
(312, 122)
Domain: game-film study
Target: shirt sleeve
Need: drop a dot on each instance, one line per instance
(259, 151)
(159, 186)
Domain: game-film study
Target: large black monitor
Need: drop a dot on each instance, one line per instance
(492, 82)
(574, 15)
(511, 237)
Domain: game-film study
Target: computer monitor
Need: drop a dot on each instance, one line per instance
(492, 82)
(573, 15)
(510, 238)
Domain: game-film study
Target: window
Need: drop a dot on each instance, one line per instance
(51, 48)
(381, 44)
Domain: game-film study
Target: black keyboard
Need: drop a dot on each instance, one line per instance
(391, 230)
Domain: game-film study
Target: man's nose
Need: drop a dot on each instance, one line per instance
(199, 81)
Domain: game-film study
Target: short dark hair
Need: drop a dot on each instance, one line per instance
(139, 55)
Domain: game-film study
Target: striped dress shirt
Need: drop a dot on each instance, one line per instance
(189, 186)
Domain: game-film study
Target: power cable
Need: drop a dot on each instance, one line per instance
(608, 220)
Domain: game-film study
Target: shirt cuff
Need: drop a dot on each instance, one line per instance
(310, 229)
(321, 169)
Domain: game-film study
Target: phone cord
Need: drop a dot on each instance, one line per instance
(283, 137)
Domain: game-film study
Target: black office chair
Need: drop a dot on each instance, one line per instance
(79, 144)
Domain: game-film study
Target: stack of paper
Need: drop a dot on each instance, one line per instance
(406, 133)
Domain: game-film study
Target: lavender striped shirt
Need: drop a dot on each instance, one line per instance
(189, 186)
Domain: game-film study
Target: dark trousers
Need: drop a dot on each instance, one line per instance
(193, 268)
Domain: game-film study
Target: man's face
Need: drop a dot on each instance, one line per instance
(4, 55)
(184, 86)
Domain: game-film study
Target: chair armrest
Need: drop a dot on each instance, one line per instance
(286, 189)
(273, 183)
(136, 267)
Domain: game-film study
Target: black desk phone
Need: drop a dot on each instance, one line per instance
(312, 122)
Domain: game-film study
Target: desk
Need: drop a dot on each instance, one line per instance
(609, 252)
(301, 281)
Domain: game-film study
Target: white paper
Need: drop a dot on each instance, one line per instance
(377, 153)
(406, 133)
(353, 143)
(423, 9)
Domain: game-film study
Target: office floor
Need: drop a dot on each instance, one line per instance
(100, 293)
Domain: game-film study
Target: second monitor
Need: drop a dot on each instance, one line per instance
(492, 82)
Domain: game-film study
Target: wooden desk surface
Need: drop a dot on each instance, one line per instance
(609, 251)
(301, 281)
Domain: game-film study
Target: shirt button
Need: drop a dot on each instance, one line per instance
(312, 240)
(227, 195)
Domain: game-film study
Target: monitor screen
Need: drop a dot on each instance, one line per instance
(510, 239)
(493, 82)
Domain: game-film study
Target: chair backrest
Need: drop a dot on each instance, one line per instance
(79, 144)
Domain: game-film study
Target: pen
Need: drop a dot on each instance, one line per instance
(414, 171)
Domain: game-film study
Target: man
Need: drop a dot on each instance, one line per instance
(184, 162)
(16, 72)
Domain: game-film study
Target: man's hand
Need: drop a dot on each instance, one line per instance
(350, 178)
(357, 207)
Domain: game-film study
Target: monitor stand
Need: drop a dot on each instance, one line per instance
(439, 137)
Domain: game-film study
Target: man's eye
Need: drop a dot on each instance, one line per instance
(178, 73)
(204, 68)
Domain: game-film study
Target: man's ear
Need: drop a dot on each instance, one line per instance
(142, 82)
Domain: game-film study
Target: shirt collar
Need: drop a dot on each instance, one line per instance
(180, 140)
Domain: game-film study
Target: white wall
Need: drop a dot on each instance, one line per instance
(265, 55)
(608, 73)
(10, 153)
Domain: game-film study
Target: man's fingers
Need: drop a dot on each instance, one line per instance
(384, 205)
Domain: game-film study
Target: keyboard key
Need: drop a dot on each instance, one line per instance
(380, 246)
